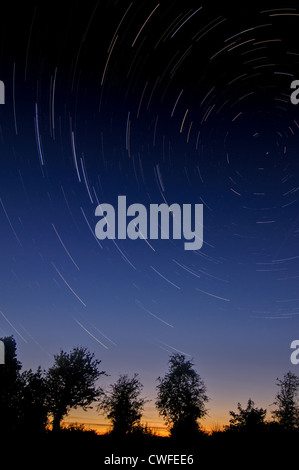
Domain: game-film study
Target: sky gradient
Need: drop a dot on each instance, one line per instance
(162, 104)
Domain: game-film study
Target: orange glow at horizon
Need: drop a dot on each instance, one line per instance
(93, 421)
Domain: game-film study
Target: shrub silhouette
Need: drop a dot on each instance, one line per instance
(123, 405)
(249, 419)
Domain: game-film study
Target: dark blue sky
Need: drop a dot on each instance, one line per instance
(160, 104)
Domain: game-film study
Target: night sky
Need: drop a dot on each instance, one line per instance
(161, 103)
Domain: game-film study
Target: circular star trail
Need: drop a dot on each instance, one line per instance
(162, 103)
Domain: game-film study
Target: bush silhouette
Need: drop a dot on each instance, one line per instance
(123, 405)
(249, 419)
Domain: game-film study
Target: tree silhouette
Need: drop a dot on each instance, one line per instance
(250, 419)
(34, 401)
(287, 413)
(123, 405)
(71, 382)
(181, 396)
(10, 386)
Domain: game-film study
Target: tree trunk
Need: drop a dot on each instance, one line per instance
(56, 422)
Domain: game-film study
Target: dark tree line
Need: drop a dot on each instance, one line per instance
(285, 416)
(30, 401)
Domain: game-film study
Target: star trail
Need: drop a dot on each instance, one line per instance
(163, 103)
